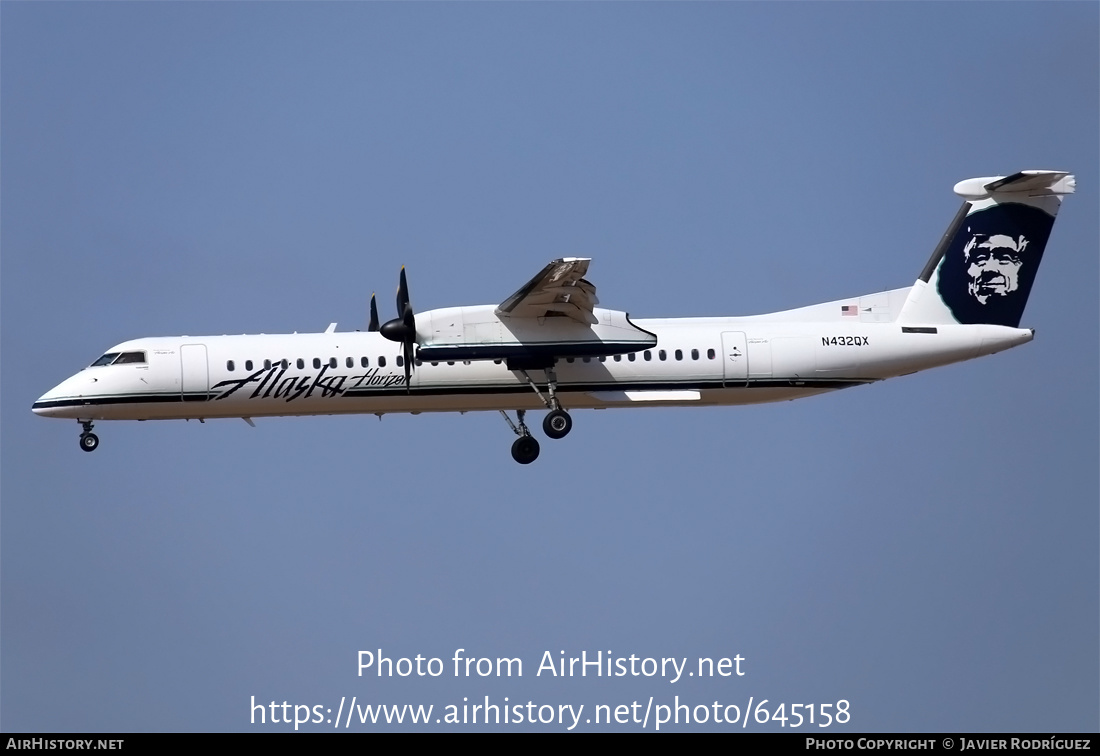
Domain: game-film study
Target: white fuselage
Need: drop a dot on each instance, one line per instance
(548, 345)
(695, 362)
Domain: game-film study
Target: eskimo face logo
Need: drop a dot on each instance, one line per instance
(987, 272)
(993, 264)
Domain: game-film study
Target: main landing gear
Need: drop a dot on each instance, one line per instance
(525, 449)
(556, 424)
(89, 441)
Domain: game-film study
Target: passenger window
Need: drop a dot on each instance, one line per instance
(381, 362)
(401, 361)
(229, 366)
(316, 363)
(710, 354)
(449, 362)
(694, 354)
(679, 354)
(587, 359)
(435, 363)
(332, 362)
(662, 356)
(106, 359)
(365, 362)
(497, 362)
(349, 362)
(301, 363)
(631, 356)
(602, 358)
(648, 355)
(570, 360)
(286, 364)
(618, 358)
(248, 364)
(267, 364)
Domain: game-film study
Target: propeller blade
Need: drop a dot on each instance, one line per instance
(402, 329)
(402, 294)
(408, 354)
(373, 326)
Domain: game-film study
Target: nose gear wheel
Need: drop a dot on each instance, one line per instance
(89, 441)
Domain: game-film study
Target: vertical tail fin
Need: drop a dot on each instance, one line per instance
(983, 268)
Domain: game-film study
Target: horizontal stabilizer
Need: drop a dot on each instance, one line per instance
(1027, 183)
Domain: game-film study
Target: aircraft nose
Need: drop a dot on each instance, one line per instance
(53, 403)
(46, 404)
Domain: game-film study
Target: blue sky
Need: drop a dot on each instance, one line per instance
(924, 548)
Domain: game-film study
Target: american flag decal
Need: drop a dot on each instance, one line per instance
(849, 310)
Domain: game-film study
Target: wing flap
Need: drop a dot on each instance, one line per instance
(558, 288)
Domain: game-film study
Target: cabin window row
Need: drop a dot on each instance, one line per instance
(332, 362)
(300, 363)
(647, 355)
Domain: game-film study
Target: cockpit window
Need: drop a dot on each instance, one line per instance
(120, 358)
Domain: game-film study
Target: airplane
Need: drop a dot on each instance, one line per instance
(549, 346)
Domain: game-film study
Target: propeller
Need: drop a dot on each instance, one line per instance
(373, 326)
(402, 329)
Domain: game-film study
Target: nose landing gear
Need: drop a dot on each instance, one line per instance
(89, 441)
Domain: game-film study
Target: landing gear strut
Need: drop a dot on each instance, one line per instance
(557, 422)
(89, 441)
(525, 449)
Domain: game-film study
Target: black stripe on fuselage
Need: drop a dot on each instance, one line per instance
(89, 401)
(399, 390)
(612, 386)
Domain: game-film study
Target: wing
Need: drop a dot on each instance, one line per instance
(558, 290)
